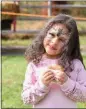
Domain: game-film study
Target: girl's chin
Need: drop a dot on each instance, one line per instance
(51, 55)
(51, 52)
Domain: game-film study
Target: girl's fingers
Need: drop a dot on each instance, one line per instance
(61, 79)
(48, 73)
(50, 80)
(49, 77)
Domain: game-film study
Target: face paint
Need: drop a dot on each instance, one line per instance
(61, 32)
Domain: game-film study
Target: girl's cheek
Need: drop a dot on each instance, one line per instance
(60, 48)
(61, 45)
(46, 41)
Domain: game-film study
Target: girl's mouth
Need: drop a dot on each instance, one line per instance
(52, 47)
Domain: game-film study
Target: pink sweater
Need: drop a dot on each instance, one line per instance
(55, 96)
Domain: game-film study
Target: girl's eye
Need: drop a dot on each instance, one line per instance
(62, 40)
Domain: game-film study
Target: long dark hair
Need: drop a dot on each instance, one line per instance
(71, 51)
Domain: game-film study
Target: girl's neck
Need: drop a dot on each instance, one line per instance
(50, 56)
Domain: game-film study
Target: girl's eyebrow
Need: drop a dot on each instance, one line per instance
(53, 34)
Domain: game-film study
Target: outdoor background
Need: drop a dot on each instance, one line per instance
(18, 32)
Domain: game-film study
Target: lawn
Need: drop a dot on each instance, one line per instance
(13, 71)
(16, 42)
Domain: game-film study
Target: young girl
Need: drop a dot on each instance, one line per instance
(55, 76)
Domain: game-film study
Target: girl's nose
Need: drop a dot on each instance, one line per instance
(55, 40)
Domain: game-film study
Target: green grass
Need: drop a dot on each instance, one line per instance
(16, 42)
(13, 72)
(81, 25)
(82, 40)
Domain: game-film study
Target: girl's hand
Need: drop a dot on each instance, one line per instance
(61, 77)
(48, 77)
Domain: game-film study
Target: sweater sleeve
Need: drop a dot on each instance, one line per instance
(33, 90)
(76, 90)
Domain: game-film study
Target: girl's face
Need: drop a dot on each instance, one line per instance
(55, 40)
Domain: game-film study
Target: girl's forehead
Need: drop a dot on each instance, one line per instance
(57, 27)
